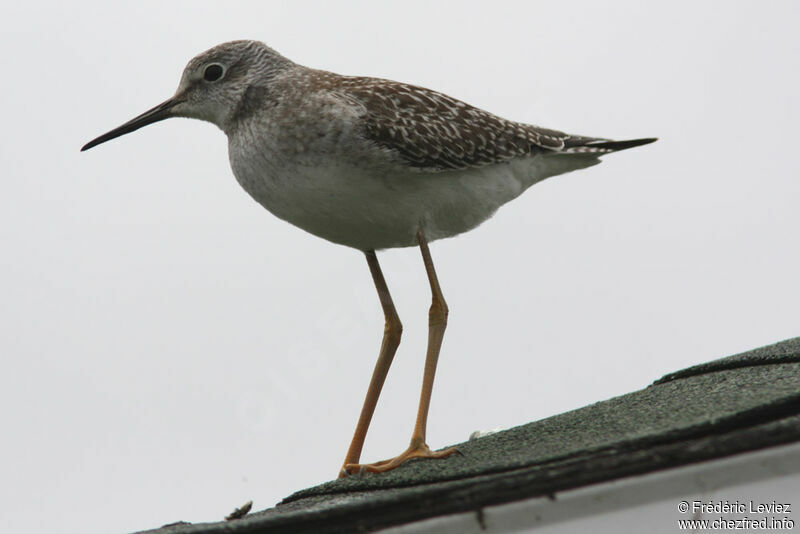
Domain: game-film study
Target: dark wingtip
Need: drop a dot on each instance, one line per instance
(622, 145)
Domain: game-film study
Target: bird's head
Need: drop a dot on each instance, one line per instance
(212, 86)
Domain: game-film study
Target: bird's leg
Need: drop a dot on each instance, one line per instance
(392, 332)
(437, 322)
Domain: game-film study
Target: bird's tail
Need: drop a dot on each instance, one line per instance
(592, 145)
(578, 153)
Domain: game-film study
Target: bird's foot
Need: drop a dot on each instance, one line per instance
(414, 451)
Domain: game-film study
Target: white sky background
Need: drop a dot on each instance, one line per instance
(171, 350)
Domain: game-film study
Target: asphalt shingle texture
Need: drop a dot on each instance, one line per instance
(741, 403)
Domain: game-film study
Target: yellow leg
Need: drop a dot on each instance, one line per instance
(392, 332)
(437, 322)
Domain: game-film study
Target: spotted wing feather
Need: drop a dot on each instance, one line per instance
(435, 132)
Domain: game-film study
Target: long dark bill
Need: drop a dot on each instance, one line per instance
(158, 113)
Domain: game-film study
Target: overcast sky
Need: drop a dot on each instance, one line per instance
(171, 350)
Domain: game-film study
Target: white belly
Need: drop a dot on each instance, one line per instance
(372, 209)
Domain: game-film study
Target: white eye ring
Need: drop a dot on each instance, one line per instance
(213, 72)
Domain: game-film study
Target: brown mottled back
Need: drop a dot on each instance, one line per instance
(433, 131)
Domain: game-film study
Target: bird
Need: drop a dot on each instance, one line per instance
(370, 164)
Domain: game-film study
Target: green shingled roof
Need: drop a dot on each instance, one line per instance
(741, 403)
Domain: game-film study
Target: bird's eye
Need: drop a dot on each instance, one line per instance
(213, 72)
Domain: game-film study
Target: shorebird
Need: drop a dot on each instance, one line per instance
(371, 164)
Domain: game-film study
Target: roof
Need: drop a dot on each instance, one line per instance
(742, 403)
